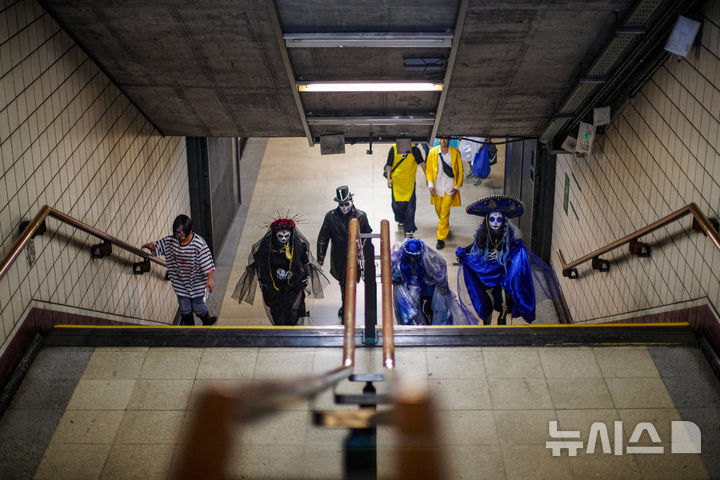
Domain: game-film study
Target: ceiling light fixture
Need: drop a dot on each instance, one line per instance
(369, 87)
(368, 40)
(367, 120)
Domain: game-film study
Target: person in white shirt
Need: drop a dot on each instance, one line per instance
(190, 266)
(444, 174)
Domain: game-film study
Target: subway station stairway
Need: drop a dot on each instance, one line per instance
(118, 402)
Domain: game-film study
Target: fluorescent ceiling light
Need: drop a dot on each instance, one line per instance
(369, 87)
(368, 40)
(387, 120)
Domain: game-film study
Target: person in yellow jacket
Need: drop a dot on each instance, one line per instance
(400, 170)
(444, 174)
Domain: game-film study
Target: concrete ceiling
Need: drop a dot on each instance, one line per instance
(221, 68)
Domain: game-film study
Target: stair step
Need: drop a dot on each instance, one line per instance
(360, 418)
(360, 399)
(367, 377)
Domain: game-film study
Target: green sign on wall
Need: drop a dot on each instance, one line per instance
(567, 193)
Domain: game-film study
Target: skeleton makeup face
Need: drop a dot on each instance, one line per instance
(495, 220)
(345, 206)
(283, 236)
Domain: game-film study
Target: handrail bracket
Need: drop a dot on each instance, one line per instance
(40, 230)
(571, 273)
(600, 264)
(102, 249)
(640, 249)
(141, 267)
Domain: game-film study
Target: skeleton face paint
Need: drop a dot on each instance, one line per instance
(283, 236)
(345, 207)
(495, 220)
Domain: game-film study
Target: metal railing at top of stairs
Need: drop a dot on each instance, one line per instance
(700, 224)
(220, 410)
(37, 226)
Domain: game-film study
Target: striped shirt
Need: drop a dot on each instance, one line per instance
(188, 265)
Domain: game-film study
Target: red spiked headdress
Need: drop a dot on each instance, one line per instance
(282, 224)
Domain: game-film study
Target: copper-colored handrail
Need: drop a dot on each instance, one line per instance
(213, 428)
(48, 211)
(209, 438)
(690, 209)
(387, 310)
(211, 433)
(350, 293)
(418, 450)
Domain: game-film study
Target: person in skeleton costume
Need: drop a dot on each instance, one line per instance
(285, 270)
(421, 294)
(335, 229)
(495, 269)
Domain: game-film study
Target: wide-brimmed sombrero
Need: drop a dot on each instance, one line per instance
(508, 206)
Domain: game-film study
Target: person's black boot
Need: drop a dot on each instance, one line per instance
(187, 319)
(208, 319)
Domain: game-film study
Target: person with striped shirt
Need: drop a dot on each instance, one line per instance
(190, 267)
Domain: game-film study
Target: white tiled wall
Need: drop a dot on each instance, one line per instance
(661, 152)
(70, 139)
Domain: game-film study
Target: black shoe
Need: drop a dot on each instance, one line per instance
(440, 245)
(208, 320)
(187, 319)
(341, 311)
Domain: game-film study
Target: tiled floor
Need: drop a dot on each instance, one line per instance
(120, 412)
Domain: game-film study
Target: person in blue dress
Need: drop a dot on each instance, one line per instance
(495, 271)
(421, 292)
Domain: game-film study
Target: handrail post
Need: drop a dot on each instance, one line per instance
(208, 443)
(418, 446)
(350, 291)
(387, 311)
(370, 337)
(24, 238)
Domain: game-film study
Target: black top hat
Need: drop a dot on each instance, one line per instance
(508, 206)
(342, 194)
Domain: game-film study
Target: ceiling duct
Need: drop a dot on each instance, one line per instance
(616, 65)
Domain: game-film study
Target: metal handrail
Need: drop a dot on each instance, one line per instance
(387, 310)
(48, 211)
(700, 223)
(350, 293)
(211, 433)
(219, 410)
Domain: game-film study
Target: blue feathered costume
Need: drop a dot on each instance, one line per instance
(421, 292)
(495, 271)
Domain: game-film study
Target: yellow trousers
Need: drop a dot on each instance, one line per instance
(442, 208)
